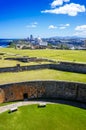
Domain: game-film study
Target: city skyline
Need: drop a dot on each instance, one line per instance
(44, 18)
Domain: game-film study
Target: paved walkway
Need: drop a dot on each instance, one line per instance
(18, 104)
(23, 103)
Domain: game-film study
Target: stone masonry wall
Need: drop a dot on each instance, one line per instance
(19, 68)
(64, 66)
(69, 66)
(2, 95)
(43, 90)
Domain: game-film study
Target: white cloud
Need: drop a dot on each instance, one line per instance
(81, 28)
(64, 26)
(35, 23)
(67, 25)
(71, 9)
(58, 2)
(32, 25)
(52, 27)
(81, 33)
(61, 26)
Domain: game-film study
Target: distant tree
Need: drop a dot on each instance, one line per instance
(49, 45)
(85, 43)
(12, 45)
(63, 46)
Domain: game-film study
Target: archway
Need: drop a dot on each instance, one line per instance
(25, 96)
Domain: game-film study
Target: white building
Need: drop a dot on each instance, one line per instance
(41, 43)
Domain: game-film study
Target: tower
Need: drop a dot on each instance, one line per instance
(31, 37)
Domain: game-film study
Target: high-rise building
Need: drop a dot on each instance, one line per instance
(31, 37)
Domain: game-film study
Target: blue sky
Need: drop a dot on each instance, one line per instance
(44, 18)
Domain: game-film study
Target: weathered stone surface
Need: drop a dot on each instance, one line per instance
(69, 66)
(43, 89)
(2, 95)
(65, 66)
(24, 68)
(81, 95)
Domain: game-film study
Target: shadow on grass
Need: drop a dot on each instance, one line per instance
(66, 102)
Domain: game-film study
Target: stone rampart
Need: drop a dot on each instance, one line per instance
(69, 66)
(43, 90)
(64, 66)
(19, 68)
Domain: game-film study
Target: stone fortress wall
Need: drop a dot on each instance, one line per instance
(70, 67)
(64, 66)
(43, 90)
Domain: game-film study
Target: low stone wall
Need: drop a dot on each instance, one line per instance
(43, 90)
(19, 68)
(69, 66)
(29, 59)
(64, 66)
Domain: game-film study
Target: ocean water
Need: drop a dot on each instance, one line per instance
(4, 43)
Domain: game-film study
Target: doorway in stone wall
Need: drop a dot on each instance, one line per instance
(25, 96)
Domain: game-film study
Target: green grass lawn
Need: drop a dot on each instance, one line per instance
(53, 117)
(45, 74)
(59, 55)
(11, 63)
(6, 103)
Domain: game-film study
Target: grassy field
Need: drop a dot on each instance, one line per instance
(58, 55)
(45, 74)
(53, 117)
(11, 63)
(6, 103)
